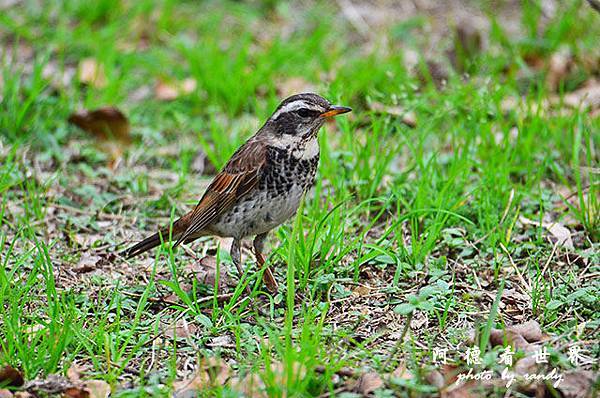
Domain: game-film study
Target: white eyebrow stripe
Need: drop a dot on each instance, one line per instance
(292, 106)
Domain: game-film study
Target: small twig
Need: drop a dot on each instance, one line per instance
(399, 342)
(512, 263)
(549, 259)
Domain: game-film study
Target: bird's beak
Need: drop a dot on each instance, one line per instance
(335, 110)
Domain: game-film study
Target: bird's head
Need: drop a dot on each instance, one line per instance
(299, 117)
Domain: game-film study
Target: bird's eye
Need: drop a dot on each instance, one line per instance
(303, 112)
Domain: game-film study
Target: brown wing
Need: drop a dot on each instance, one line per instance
(238, 177)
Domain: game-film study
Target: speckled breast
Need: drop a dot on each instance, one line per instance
(284, 181)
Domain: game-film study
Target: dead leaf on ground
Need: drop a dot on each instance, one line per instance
(223, 340)
(181, 329)
(91, 72)
(520, 336)
(559, 232)
(109, 126)
(51, 384)
(586, 96)
(89, 389)
(4, 393)
(171, 90)
(74, 373)
(11, 377)
(251, 385)
(407, 117)
(368, 383)
(559, 67)
(205, 271)
(24, 394)
(361, 290)
(87, 263)
(211, 372)
(107, 123)
(578, 383)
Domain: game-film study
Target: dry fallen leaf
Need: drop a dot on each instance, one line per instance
(11, 377)
(205, 271)
(181, 329)
(578, 384)
(109, 126)
(560, 65)
(170, 90)
(89, 389)
(211, 372)
(559, 232)
(74, 373)
(5, 393)
(24, 394)
(586, 96)
(106, 123)
(368, 383)
(520, 336)
(91, 72)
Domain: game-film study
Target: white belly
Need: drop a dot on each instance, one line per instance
(259, 214)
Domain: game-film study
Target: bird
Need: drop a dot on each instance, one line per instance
(260, 187)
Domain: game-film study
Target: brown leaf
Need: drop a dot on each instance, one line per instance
(435, 378)
(408, 117)
(211, 372)
(11, 377)
(89, 389)
(98, 388)
(181, 329)
(530, 330)
(4, 393)
(109, 126)
(24, 394)
(76, 392)
(205, 271)
(559, 67)
(559, 232)
(361, 290)
(251, 385)
(91, 72)
(74, 373)
(170, 90)
(587, 96)
(105, 124)
(87, 263)
(526, 365)
(368, 383)
(519, 336)
(578, 384)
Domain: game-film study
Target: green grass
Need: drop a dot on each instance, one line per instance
(419, 215)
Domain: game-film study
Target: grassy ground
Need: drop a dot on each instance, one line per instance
(461, 205)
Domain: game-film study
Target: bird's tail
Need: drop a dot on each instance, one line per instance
(155, 240)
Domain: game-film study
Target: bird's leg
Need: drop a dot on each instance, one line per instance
(236, 257)
(268, 278)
